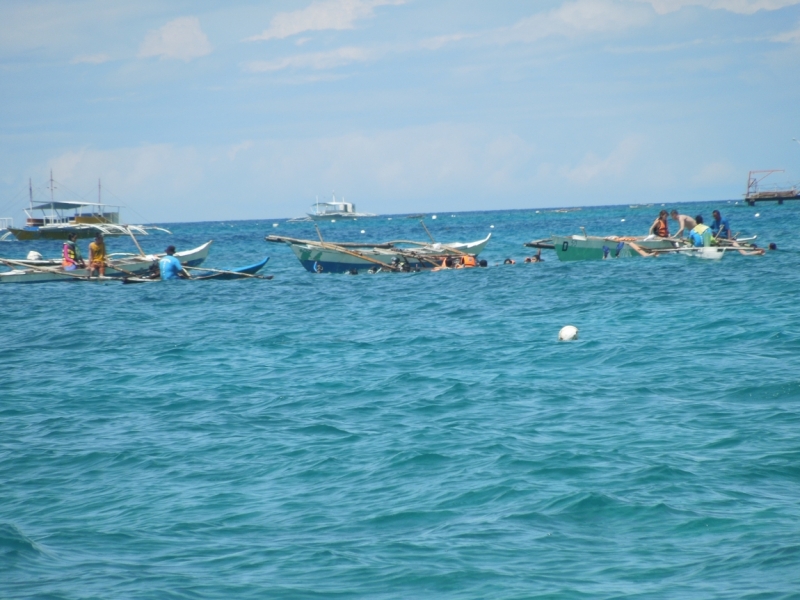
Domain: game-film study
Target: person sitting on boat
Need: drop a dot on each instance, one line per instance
(700, 235)
(660, 226)
(686, 223)
(720, 227)
(97, 256)
(171, 267)
(71, 254)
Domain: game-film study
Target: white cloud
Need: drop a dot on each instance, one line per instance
(181, 39)
(398, 170)
(437, 42)
(788, 37)
(237, 148)
(614, 165)
(313, 60)
(319, 16)
(91, 59)
(714, 173)
(742, 7)
(129, 167)
(576, 18)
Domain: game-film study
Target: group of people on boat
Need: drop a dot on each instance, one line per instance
(72, 259)
(167, 267)
(699, 233)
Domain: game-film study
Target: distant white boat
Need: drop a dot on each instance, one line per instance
(335, 209)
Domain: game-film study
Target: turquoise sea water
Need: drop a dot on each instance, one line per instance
(409, 435)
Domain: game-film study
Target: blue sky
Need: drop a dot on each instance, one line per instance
(194, 111)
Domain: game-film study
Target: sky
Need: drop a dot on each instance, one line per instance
(196, 111)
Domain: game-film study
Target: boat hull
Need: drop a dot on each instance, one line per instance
(580, 247)
(237, 273)
(116, 269)
(339, 216)
(35, 233)
(318, 259)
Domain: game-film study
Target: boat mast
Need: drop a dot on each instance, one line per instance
(30, 193)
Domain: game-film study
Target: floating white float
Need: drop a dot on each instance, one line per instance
(568, 333)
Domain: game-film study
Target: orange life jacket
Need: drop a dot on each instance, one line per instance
(661, 229)
(468, 261)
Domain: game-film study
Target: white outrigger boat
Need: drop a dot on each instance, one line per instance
(397, 255)
(333, 211)
(56, 220)
(126, 265)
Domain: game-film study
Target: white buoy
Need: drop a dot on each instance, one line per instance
(758, 214)
(362, 231)
(567, 333)
(389, 219)
(274, 224)
(622, 220)
(491, 226)
(433, 217)
(34, 255)
(333, 220)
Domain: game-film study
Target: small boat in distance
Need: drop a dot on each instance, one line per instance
(335, 209)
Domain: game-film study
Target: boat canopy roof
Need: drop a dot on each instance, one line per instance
(335, 206)
(66, 205)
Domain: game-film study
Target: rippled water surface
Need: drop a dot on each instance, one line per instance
(409, 435)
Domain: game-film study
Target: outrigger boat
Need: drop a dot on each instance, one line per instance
(207, 273)
(332, 211)
(128, 265)
(395, 256)
(56, 220)
(590, 247)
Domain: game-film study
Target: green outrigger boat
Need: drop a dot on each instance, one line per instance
(591, 247)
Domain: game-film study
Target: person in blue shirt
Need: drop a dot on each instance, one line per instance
(171, 267)
(720, 227)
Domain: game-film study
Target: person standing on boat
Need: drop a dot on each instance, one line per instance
(686, 223)
(171, 267)
(71, 254)
(97, 256)
(660, 226)
(720, 227)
